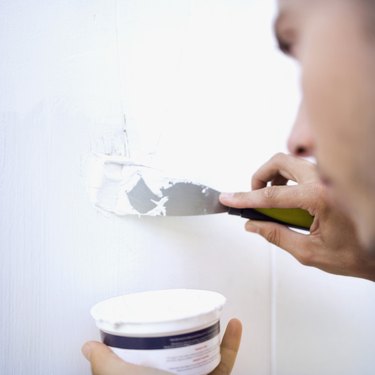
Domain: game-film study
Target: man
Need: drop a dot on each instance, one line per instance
(333, 41)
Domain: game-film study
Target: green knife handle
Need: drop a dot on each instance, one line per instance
(291, 217)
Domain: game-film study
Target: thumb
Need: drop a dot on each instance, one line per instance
(103, 360)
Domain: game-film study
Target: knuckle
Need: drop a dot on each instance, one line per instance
(222, 369)
(319, 193)
(273, 236)
(306, 258)
(316, 187)
(254, 180)
(278, 156)
(240, 196)
(271, 192)
(280, 159)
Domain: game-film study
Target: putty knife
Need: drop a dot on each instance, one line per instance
(185, 198)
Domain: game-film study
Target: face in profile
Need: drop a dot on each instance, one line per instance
(334, 43)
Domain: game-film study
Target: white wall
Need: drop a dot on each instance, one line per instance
(206, 96)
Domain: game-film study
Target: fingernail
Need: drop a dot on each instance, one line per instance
(226, 195)
(86, 350)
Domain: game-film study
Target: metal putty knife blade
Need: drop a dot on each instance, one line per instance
(183, 198)
(179, 198)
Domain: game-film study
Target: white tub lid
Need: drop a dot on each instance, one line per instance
(158, 312)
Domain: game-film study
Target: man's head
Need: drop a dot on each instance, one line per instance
(334, 44)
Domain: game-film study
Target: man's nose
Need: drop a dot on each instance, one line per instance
(301, 141)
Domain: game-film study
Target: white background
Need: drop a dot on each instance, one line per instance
(208, 97)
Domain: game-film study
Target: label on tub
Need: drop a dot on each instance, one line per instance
(193, 353)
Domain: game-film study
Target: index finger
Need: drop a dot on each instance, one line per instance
(305, 196)
(289, 167)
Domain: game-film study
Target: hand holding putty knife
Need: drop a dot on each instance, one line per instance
(126, 188)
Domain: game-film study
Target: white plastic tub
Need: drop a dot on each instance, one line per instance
(177, 330)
